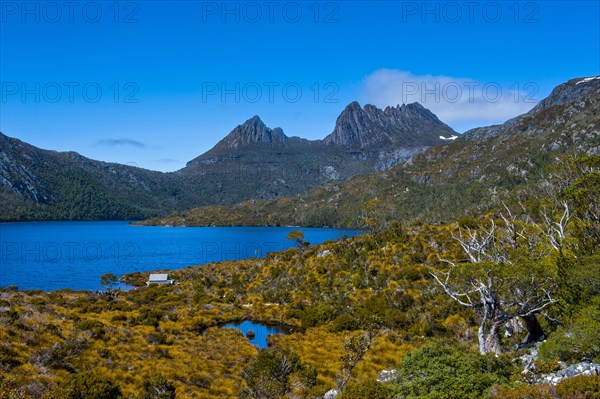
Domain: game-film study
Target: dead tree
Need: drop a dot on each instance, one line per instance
(499, 287)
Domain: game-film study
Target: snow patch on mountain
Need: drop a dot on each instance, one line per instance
(588, 79)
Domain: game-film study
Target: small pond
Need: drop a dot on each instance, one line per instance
(261, 331)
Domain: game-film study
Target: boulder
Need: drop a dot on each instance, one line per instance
(583, 368)
(387, 376)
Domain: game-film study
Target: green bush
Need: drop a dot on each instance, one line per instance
(95, 327)
(315, 314)
(40, 302)
(344, 322)
(88, 324)
(89, 386)
(149, 317)
(308, 376)
(578, 340)
(119, 317)
(446, 370)
(580, 387)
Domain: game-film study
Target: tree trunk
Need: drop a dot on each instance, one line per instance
(492, 341)
(534, 329)
(481, 337)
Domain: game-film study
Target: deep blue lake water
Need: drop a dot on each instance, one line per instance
(55, 255)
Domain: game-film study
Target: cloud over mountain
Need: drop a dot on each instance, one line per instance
(461, 102)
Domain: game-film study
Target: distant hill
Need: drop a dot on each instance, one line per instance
(463, 177)
(41, 184)
(252, 162)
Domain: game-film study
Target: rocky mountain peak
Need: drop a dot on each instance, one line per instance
(253, 131)
(373, 128)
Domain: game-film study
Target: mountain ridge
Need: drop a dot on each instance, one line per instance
(257, 163)
(564, 93)
(252, 161)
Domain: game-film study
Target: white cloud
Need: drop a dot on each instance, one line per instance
(460, 102)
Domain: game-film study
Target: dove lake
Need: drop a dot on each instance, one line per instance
(54, 255)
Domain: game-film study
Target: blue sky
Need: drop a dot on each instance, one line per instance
(156, 83)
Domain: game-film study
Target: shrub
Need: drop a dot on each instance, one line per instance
(89, 386)
(95, 327)
(315, 314)
(88, 324)
(157, 387)
(577, 340)
(455, 324)
(119, 317)
(268, 376)
(580, 387)
(344, 322)
(39, 302)
(540, 391)
(61, 355)
(447, 370)
(308, 376)
(8, 358)
(149, 317)
(370, 390)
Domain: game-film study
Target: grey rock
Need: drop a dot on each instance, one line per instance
(583, 368)
(529, 359)
(387, 376)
